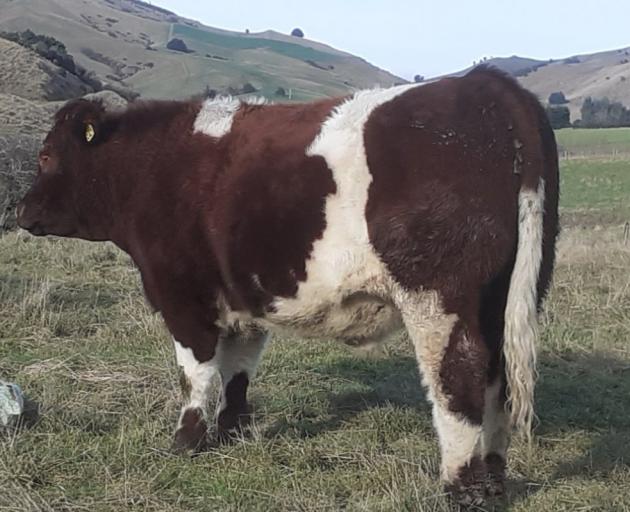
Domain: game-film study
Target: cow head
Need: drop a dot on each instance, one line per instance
(58, 202)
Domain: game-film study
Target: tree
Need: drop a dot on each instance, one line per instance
(602, 113)
(209, 92)
(280, 91)
(297, 32)
(178, 45)
(557, 98)
(248, 88)
(418, 79)
(559, 116)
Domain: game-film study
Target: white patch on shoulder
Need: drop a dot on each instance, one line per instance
(217, 114)
(343, 264)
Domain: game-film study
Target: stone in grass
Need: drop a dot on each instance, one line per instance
(15, 408)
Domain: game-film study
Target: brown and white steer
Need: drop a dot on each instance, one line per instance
(431, 206)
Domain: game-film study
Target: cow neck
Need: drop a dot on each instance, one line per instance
(153, 161)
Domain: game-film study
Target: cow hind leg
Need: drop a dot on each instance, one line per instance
(496, 436)
(238, 353)
(453, 360)
(496, 420)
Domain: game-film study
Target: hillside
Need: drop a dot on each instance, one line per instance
(124, 42)
(596, 75)
(603, 74)
(27, 75)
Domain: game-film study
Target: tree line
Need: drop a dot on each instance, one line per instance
(55, 51)
(595, 112)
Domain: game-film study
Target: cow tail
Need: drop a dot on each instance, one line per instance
(521, 312)
(536, 164)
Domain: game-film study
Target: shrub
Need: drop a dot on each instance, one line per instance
(297, 32)
(53, 50)
(248, 88)
(178, 45)
(559, 116)
(602, 113)
(557, 98)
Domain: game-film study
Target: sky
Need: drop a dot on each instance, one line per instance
(410, 37)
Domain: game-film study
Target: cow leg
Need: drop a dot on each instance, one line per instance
(496, 420)
(238, 354)
(496, 435)
(453, 361)
(195, 377)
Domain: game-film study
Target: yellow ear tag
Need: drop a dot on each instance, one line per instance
(89, 133)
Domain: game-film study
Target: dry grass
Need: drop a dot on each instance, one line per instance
(333, 430)
(29, 76)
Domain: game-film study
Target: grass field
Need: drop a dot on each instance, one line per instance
(333, 430)
(603, 142)
(243, 42)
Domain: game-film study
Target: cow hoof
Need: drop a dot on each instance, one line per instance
(231, 425)
(227, 436)
(190, 437)
(184, 445)
(467, 498)
(495, 485)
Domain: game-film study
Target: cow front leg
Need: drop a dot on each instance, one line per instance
(453, 361)
(196, 371)
(238, 354)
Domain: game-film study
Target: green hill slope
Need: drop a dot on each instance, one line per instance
(125, 42)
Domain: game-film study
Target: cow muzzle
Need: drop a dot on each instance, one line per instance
(29, 224)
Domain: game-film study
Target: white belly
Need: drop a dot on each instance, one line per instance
(357, 319)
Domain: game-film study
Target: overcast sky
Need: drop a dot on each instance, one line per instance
(409, 37)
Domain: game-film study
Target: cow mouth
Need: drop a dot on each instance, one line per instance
(35, 229)
(38, 229)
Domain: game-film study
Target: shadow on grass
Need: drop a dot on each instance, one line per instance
(576, 393)
(384, 381)
(589, 394)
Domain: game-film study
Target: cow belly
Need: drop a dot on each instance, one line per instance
(357, 319)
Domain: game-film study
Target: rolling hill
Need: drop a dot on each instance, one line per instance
(27, 75)
(602, 74)
(125, 43)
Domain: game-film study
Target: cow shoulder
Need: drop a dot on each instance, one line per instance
(270, 202)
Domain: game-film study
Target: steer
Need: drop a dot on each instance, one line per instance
(432, 207)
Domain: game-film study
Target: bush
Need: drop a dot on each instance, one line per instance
(248, 88)
(209, 92)
(178, 45)
(297, 32)
(418, 79)
(55, 51)
(281, 92)
(558, 116)
(557, 98)
(602, 113)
